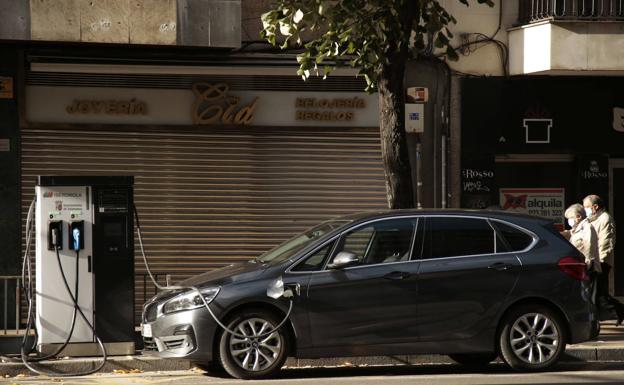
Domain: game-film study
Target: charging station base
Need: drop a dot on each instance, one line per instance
(89, 349)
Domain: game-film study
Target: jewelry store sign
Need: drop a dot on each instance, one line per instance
(328, 109)
(204, 104)
(213, 105)
(109, 107)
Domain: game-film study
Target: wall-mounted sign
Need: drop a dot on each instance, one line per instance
(6, 87)
(593, 175)
(478, 182)
(537, 130)
(415, 109)
(417, 95)
(618, 119)
(542, 202)
(593, 171)
(213, 105)
(415, 118)
(209, 104)
(109, 107)
(328, 109)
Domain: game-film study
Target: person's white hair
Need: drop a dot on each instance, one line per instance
(574, 211)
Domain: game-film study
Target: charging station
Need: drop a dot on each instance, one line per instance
(89, 218)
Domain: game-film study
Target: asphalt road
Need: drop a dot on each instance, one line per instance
(582, 373)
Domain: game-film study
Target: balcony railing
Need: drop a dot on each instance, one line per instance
(583, 10)
(13, 314)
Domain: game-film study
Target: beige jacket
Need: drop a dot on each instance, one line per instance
(605, 228)
(584, 237)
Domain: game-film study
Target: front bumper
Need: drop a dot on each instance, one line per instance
(185, 334)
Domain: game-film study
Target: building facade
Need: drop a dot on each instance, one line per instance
(231, 152)
(542, 130)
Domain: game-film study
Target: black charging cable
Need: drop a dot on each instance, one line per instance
(201, 296)
(27, 288)
(27, 360)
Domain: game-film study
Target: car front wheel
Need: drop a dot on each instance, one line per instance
(253, 357)
(532, 338)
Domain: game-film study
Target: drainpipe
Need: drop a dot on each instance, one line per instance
(419, 182)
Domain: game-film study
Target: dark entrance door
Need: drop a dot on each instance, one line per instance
(538, 173)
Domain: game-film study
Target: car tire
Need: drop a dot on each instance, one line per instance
(473, 360)
(249, 358)
(532, 337)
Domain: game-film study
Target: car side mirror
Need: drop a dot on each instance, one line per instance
(344, 259)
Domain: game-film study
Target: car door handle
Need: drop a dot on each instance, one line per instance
(500, 266)
(397, 275)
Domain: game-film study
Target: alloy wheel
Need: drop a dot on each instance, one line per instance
(255, 353)
(534, 338)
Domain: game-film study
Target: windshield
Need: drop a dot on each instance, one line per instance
(299, 241)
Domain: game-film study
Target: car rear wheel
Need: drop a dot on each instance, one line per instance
(532, 338)
(253, 357)
(473, 360)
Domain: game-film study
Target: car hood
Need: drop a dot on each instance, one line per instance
(234, 273)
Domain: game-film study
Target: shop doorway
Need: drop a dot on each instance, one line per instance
(537, 171)
(616, 205)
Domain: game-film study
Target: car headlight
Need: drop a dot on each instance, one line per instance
(190, 300)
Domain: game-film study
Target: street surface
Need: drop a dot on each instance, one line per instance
(443, 374)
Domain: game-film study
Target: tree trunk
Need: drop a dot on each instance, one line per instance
(394, 149)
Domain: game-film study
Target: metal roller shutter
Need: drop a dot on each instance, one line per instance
(211, 196)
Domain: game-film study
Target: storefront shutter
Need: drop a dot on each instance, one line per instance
(208, 196)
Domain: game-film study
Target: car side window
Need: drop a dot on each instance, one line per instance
(457, 236)
(315, 261)
(380, 242)
(516, 239)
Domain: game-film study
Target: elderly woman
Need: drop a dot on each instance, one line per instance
(583, 236)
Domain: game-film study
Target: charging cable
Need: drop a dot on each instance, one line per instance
(27, 288)
(286, 294)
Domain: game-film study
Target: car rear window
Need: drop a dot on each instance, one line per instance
(457, 236)
(516, 239)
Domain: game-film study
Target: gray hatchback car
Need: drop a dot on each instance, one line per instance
(471, 284)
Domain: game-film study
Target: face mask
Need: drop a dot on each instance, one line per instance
(588, 211)
(571, 222)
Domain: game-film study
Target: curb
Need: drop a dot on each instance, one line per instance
(584, 354)
(122, 363)
(156, 364)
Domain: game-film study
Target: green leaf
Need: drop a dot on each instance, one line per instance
(451, 54)
(298, 16)
(366, 34)
(326, 71)
(441, 41)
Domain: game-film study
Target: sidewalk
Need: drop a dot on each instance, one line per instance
(608, 347)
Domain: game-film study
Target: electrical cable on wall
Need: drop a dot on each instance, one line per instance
(481, 40)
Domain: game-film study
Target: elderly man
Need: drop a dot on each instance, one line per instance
(605, 228)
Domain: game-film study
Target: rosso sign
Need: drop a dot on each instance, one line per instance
(469, 173)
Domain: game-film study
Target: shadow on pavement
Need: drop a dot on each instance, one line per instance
(435, 369)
